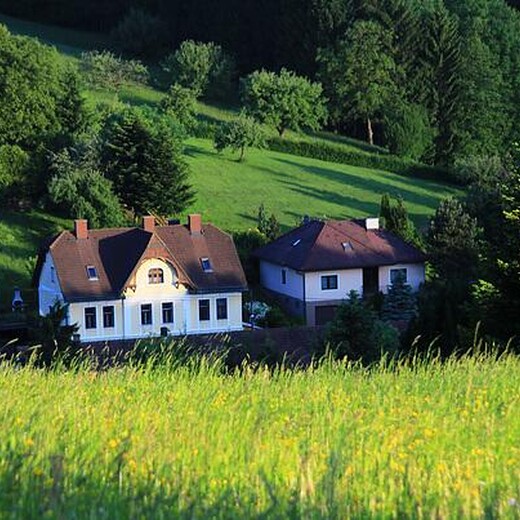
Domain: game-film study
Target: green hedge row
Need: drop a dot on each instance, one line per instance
(338, 154)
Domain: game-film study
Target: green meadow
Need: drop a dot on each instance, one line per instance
(424, 440)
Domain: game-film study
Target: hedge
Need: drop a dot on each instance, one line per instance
(338, 154)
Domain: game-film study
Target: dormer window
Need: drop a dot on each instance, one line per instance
(92, 273)
(347, 246)
(206, 265)
(155, 276)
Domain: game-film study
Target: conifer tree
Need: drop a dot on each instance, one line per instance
(400, 302)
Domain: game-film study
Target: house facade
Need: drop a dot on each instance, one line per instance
(311, 269)
(130, 283)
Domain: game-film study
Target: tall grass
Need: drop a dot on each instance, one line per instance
(422, 439)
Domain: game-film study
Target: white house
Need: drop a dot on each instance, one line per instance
(311, 269)
(130, 283)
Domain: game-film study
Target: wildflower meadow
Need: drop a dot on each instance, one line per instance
(424, 439)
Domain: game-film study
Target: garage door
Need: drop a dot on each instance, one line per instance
(324, 314)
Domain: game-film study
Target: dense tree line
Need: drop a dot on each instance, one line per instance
(434, 81)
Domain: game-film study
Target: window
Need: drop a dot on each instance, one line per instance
(92, 272)
(395, 274)
(206, 265)
(347, 246)
(108, 317)
(146, 314)
(222, 309)
(284, 276)
(155, 275)
(329, 283)
(167, 312)
(203, 310)
(90, 318)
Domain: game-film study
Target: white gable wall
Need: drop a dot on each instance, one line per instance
(49, 290)
(271, 278)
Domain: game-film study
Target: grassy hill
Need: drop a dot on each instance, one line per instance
(228, 192)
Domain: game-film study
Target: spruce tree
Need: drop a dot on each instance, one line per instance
(145, 164)
(400, 302)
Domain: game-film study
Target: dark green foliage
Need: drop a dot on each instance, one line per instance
(442, 49)
(454, 242)
(407, 129)
(145, 163)
(396, 220)
(246, 242)
(268, 226)
(399, 303)
(53, 335)
(357, 334)
(360, 74)
(140, 34)
(81, 191)
(284, 101)
(180, 103)
(202, 67)
(103, 69)
(239, 134)
(71, 109)
(14, 165)
(31, 88)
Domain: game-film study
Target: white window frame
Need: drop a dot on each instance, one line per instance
(397, 269)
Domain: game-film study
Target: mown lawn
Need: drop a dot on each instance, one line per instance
(229, 192)
(20, 234)
(430, 441)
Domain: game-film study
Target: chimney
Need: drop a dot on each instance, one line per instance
(371, 223)
(81, 228)
(195, 224)
(149, 223)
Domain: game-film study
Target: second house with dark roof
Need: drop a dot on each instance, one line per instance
(129, 283)
(311, 269)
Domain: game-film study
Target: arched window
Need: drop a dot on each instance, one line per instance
(155, 275)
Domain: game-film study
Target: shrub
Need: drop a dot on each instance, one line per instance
(407, 130)
(180, 103)
(79, 188)
(356, 333)
(203, 67)
(105, 70)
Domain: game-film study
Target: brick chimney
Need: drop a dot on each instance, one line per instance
(81, 228)
(149, 223)
(195, 224)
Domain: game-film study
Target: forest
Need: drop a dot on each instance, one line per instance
(447, 71)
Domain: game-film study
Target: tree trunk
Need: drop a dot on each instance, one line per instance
(242, 151)
(370, 131)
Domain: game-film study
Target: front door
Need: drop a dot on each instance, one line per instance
(370, 280)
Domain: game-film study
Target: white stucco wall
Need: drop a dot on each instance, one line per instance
(49, 289)
(271, 278)
(414, 274)
(348, 280)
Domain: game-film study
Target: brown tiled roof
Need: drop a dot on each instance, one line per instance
(338, 244)
(117, 253)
